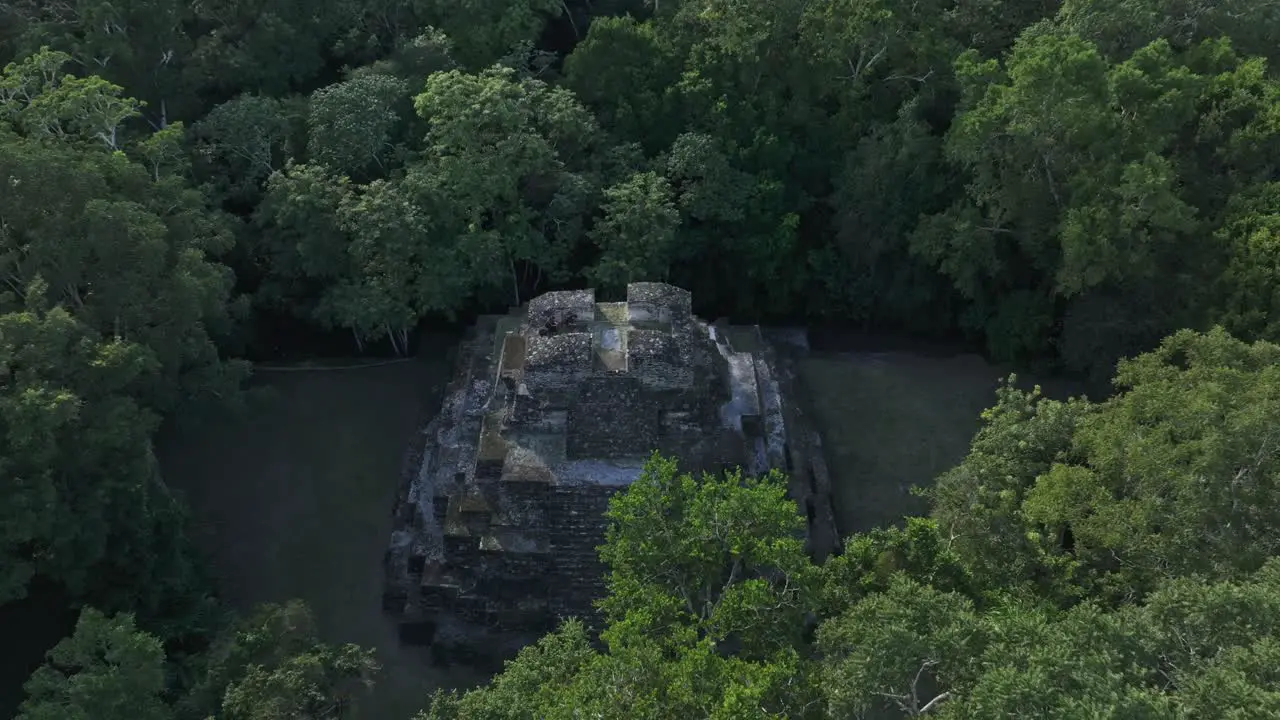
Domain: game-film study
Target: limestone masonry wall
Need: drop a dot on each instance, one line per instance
(549, 414)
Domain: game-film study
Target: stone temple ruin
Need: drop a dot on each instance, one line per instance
(553, 409)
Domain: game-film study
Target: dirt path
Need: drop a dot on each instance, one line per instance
(295, 501)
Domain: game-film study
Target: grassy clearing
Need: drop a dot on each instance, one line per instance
(892, 421)
(295, 501)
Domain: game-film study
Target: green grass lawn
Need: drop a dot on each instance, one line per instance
(891, 421)
(295, 501)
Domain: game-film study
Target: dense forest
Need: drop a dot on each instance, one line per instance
(189, 187)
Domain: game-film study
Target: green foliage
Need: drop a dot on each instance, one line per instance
(888, 179)
(1147, 661)
(732, 219)
(717, 555)
(84, 502)
(126, 249)
(314, 685)
(903, 630)
(869, 563)
(352, 124)
(637, 233)
(485, 30)
(1112, 201)
(978, 504)
(112, 303)
(533, 682)
(907, 168)
(1176, 471)
(708, 591)
(107, 670)
(1067, 182)
(137, 44)
(507, 160)
(879, 651)
(62, 390)
(1250, 294)
(913, 649)
(1169, 478)
(45, 103)
(244, 138)
(1088, 138)
(302, 235)
(1120, 27)
(366, 258)
(271, 665)
(265, 46)
(625, 73)
(403, 269)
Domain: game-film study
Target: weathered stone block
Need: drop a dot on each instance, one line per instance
(549, 414)
(551, 312)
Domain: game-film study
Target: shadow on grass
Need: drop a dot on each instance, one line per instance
(294, 498)
(891, 421)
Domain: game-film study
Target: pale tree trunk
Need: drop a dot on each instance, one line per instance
(515, 283)
(395, 346)
(73, 294)
(399, 338)
(910, 703)
(577, 35)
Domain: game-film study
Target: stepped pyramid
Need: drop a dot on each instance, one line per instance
(555, 407)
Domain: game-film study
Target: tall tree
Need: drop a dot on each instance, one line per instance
(708, 591)
(243, 141)
(637, 233)
(270, 47)
(111, 306)
(1161, 494)
(352, 124)
(486, 30)
(138, 44)
(271, 665)
(106, 670)
(1111, 499)
(626, 72)
(713, 552)
(902, 650)
(978, 504)
(1098, 202)
(508, 163)
(1119, 27)
(1249, 294)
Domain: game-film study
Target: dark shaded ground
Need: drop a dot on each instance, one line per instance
(295, 501)
(29, 628)
(894, 420)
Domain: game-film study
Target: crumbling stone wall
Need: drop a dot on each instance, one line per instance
(564, 311)
(603, 405)
(654, 359)
(555, 363)
(497, 529)
(659, 304)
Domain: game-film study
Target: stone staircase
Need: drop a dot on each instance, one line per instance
(435, 448)
(784, 427)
